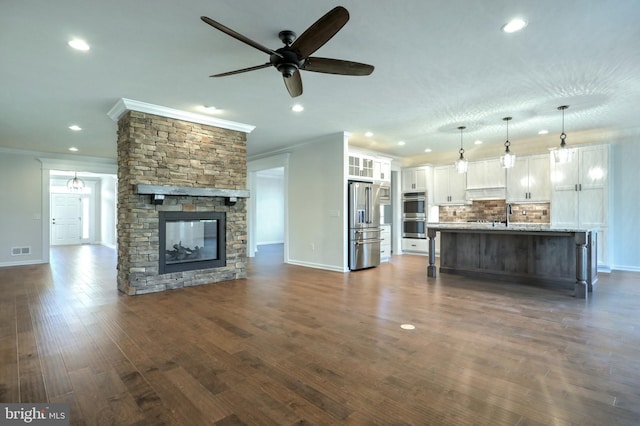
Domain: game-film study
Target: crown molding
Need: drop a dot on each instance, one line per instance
(86, 164)
(123, 105)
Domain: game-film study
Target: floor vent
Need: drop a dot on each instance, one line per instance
(20, 251)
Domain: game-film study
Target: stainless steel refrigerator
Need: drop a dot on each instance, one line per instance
(364, 225)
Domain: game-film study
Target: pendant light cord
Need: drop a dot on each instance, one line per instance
(507, 144)
(461, 128)
(563, 135)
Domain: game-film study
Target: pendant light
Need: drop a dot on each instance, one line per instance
(75, 184)
(562, 154)
(508, 159)
(461, 163)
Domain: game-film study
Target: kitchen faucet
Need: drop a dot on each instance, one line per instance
(507, 211)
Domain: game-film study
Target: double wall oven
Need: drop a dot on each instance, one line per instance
(414, 215)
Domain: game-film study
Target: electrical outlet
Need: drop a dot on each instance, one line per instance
(524, 212)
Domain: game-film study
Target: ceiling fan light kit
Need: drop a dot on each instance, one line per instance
(296, 53)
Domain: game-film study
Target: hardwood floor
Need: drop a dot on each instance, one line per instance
(292, 345)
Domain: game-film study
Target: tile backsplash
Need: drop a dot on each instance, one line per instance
(490, 210)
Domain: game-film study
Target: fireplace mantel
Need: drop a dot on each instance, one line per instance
(159, 191)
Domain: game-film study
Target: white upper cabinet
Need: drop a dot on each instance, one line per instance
(414, 179)
(579, 194)
(485, 174)
(529, 180)
(360, 166)
(367, 167)
(382, 170)
(449, 186)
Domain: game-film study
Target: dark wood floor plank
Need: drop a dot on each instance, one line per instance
(9, 381)
(93, 405)
(54, 370)
(32, 387)
(76, 417)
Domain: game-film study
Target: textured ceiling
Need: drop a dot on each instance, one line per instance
(439, 65)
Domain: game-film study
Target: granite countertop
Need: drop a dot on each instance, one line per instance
(513, 227)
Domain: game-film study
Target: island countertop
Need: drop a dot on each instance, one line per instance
(501, 227)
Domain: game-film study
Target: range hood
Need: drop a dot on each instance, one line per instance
(497, 193)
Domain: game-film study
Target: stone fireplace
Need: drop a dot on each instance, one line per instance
(182, 212)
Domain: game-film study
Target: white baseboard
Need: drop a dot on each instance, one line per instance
(22, 263)
(265, 243)
(625, 268)
(317, 266)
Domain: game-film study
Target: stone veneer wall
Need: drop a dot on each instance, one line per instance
(164, 151)
(489, 210)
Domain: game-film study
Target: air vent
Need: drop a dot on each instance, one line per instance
(20, 251)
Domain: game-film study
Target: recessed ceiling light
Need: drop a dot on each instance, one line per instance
(401, 143)
(73, 148)
(514, 25)
(297, 108)
(427, 150)
(408, 327)
(79, 44)
(210, 109)
(368, 134)
(478, 142)
(543, 132)
(75, 128)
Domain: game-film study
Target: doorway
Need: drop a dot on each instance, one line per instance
(72, 212)
(270, 211)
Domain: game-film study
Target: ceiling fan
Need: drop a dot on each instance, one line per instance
(295, 55)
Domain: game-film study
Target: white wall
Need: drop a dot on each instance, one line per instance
(21, 208)
(270, 209)
(625, 238)
(317, 204)
(108, 211)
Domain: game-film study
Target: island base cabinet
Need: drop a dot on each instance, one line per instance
(558, 259)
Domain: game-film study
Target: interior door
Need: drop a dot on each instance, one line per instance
(66, 219)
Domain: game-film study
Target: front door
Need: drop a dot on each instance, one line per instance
(66, 219)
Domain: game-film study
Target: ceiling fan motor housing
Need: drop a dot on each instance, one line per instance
(287, 63)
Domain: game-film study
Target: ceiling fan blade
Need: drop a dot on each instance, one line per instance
(320, 32)
(336, 66)
(238, 36)
(257, 67)
(294, 84)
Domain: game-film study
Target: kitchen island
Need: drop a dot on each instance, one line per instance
(530, 253)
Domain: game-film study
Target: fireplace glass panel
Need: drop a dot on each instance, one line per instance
(191, 240)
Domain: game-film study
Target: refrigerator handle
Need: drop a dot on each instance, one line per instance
(354, 214)
(367, 200)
